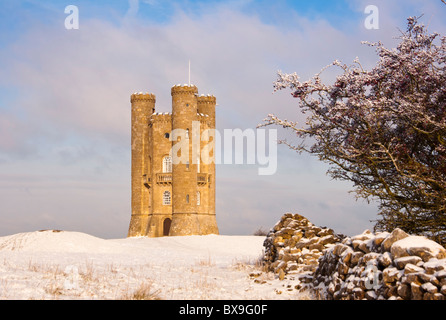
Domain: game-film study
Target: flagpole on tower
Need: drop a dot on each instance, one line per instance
(189, 72)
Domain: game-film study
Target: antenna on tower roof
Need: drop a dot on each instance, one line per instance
(189, 72)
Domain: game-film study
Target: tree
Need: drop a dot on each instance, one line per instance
(383, 129)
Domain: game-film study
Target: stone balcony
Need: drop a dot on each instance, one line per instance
(166, 179)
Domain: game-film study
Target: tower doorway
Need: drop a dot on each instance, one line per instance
(166, 226)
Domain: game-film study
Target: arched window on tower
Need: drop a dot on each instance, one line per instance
(198, 198)
(166, 198)
(167, 164)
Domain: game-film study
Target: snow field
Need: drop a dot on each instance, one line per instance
(73, 265)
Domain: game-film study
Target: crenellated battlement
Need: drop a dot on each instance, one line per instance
(184, 89)
(140, 96)
(207, 99)
(161, 117)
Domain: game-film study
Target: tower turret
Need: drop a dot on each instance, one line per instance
(184, 170)
(143, 105)
(206, 105)
(207, 217)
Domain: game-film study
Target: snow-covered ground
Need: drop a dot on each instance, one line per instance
(73, 265)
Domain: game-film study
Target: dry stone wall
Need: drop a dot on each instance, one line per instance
(393, 266)
(382, 266)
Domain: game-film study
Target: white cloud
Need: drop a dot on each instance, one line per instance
(133, 8)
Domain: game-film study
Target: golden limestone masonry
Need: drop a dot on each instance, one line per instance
(173, 187)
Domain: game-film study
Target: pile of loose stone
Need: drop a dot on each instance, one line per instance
(294, 245)
(367, 266)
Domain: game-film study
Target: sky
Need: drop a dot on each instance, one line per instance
(65, 101)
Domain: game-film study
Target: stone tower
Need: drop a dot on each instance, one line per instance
(173, 190)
